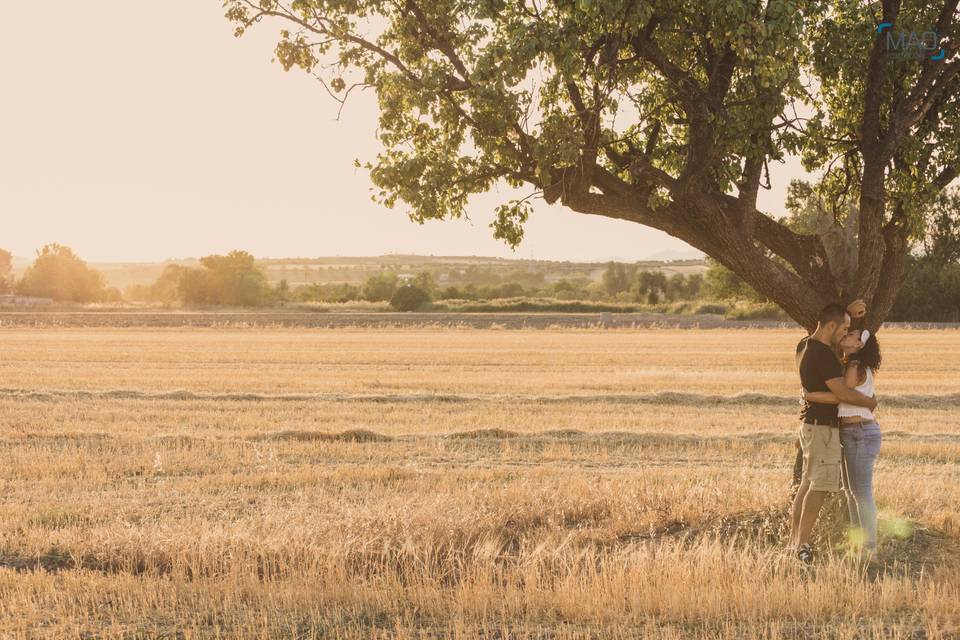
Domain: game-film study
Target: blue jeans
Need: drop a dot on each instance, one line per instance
(861, 444)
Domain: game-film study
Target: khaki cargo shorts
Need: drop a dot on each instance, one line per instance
(822, 456)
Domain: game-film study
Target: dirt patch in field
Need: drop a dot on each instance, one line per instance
(60, 437)
(180, 440)
(477, 434)
(565, 434)
(351, 435)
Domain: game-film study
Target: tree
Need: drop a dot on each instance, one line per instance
(6, 271)
(234, 279)
(59, 274)
(615, 278)
(930, 293)
(942, 243)
(931, 286)
(706, 94)
(381, 287)
(681, 287)
(195, 287)
(409, 297)
(720, 283)
(692, 286)
(167, 287)
(425, 281)
(650, 287)
(564, 288)
(282, 291)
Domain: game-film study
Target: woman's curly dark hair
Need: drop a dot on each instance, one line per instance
(869, 354)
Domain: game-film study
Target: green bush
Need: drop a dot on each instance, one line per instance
(409, 297)
(380, 287)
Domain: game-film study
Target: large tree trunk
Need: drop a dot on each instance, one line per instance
(793, 270)
(800, 279)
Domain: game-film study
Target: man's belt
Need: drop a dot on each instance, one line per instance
(824, 423)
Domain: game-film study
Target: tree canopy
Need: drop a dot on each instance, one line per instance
(58, 273)
(667, 113)
(409, 297)
(233, 279)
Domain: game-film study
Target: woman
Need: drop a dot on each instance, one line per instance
(859, 434)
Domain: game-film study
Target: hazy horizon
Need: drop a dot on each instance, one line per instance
(176, 139)
(22, 261)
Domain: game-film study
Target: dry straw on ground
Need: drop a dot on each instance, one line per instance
(414, 483)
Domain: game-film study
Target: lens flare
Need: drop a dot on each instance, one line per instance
(895, 527)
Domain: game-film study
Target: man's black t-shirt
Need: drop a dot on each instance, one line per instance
(818, 365)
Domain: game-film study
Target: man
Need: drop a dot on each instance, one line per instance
(858, 311)
(820, 370)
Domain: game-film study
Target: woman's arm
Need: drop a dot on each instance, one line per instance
(858, 311)
(852, 375)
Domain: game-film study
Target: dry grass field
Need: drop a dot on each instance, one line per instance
(454, 483)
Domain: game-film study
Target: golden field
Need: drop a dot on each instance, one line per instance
(455, 483)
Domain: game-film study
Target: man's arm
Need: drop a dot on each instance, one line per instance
(821, 397)
(851, 376)
(840, 389)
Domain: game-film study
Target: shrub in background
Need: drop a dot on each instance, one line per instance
(409, 297)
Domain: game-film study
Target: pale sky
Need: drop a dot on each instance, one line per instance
(136, 131)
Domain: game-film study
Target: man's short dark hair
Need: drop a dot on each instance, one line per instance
(833, 312)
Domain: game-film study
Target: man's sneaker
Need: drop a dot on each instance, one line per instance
(805, 554)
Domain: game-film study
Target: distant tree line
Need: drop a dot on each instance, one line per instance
(232, 280)
(235, 279)
(930, 292)
(620, 282)
(628, 283)
(59, 274)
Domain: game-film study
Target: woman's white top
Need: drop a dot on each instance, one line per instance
(844, 410)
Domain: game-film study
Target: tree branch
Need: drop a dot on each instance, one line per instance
(870, 139)
(948, 175)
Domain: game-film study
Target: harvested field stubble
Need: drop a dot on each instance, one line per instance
(453, 483)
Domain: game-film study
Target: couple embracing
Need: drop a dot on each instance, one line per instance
(839, 437)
